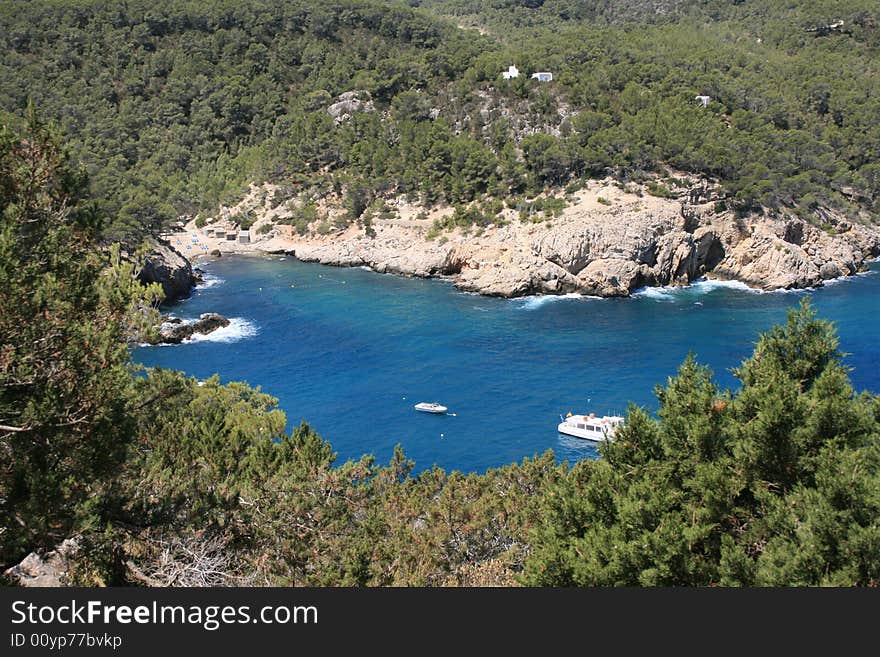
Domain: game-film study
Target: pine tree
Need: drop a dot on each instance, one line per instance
(775, 484)
(67, 308)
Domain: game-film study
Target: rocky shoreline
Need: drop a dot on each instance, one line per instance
(609, 241)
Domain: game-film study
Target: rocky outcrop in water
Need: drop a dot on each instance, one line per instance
(175, 330)
(165, 265)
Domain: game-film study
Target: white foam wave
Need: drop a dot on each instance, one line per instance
(707, 285)
(208, 281)
(656, 293)
(238, 329)
(700, 286)
(844, 279)
(537, 301)
(793, 290)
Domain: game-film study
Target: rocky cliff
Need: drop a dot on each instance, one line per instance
(608, 241)
(163, 264)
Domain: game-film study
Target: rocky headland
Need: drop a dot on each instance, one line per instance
(609, 240)
(164, 265)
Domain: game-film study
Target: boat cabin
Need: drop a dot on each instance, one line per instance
(591, 427)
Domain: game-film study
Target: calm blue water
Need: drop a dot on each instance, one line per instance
(351, 351)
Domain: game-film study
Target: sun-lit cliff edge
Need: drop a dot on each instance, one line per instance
(610, 239)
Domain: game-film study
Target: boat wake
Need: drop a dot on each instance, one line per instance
(338, 281)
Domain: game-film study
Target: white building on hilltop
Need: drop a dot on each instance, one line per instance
(703, 100)
(543, 76)
(510, 73)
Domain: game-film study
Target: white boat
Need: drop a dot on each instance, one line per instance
(590, 427)
(430, 407)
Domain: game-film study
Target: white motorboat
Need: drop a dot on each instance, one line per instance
(590, 427)
(430, 407)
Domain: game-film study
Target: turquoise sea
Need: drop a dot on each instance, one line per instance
(351, 351)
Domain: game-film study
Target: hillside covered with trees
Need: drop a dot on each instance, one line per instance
(163, 481)
(175, 106)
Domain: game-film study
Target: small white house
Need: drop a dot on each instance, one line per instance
(703, 100)
(510, 73)
(543, 76)
(244, 237)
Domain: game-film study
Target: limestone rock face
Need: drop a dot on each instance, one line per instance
(610, 256)
(165, 265)
(795, 254)
(609, 240)
(575, 245)
(613, 277)
(767, 262)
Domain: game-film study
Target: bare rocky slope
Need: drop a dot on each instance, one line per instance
(610, 240)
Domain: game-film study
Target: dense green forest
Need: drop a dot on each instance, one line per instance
(168, 482)
(175, 106)
(115, 118)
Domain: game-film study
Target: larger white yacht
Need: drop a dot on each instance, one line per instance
(590, 427)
